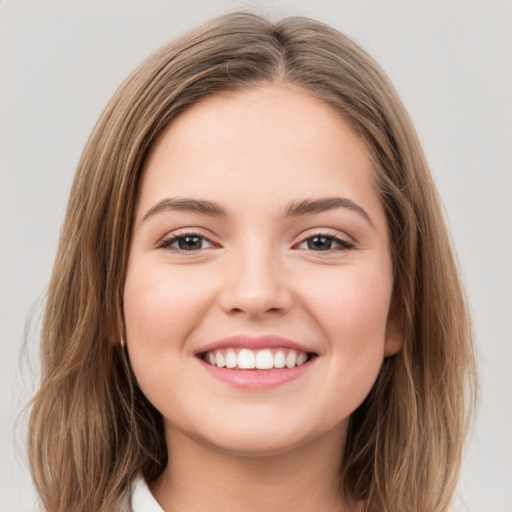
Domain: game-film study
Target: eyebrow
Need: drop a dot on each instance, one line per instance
(306, 206)
(293, 209)
(187, 205)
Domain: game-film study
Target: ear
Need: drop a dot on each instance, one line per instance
(394, 339)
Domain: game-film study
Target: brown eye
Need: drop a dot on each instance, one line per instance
(188, 242)
(319, 243)
(324, 243)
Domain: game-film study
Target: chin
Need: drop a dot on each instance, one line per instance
(258, 445)
(264, 438)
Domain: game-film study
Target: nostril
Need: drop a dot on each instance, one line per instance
(252, 311)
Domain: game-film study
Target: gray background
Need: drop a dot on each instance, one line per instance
(450, 60)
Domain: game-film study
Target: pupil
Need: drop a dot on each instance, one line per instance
(319, 242)
(188, 243)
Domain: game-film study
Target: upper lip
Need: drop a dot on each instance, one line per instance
(252, 342)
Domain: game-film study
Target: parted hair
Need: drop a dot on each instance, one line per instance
(92, 431)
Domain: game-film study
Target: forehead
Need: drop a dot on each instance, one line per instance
(264, 145)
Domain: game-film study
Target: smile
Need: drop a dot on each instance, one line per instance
(256, 362)
(263, 359)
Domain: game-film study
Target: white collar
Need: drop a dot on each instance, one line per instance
(142, 499)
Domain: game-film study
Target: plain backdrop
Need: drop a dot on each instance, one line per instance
(451, 62)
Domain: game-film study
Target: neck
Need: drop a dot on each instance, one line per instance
(201, 477)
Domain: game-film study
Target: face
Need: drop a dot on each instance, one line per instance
(259, 277)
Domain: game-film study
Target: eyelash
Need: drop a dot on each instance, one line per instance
(167, 242)
(344, 245)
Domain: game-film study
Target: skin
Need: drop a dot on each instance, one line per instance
(255, 272)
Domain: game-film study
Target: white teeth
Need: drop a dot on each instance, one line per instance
(264, 359)
(231, 359)
(246, 359)
(291, 359)
(279, 359)
(301, 358)
(219, 359)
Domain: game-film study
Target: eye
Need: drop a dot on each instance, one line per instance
(325, 243)
(189, 242)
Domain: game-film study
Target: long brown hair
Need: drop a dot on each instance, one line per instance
(92, 431)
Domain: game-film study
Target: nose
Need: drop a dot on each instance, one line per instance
(256, 285)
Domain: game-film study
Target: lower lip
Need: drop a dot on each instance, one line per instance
(257, 379)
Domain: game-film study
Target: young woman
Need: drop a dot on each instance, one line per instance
(254, 304)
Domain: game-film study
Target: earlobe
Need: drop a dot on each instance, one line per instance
(394, 339)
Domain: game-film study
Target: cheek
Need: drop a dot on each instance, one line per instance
(352, 311)
(161, 307)
(354, 299)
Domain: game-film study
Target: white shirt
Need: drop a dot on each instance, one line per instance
(142, 499)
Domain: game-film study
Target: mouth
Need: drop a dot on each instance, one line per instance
(272, 358)
(256, 363)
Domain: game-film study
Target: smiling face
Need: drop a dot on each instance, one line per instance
(259, 240)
